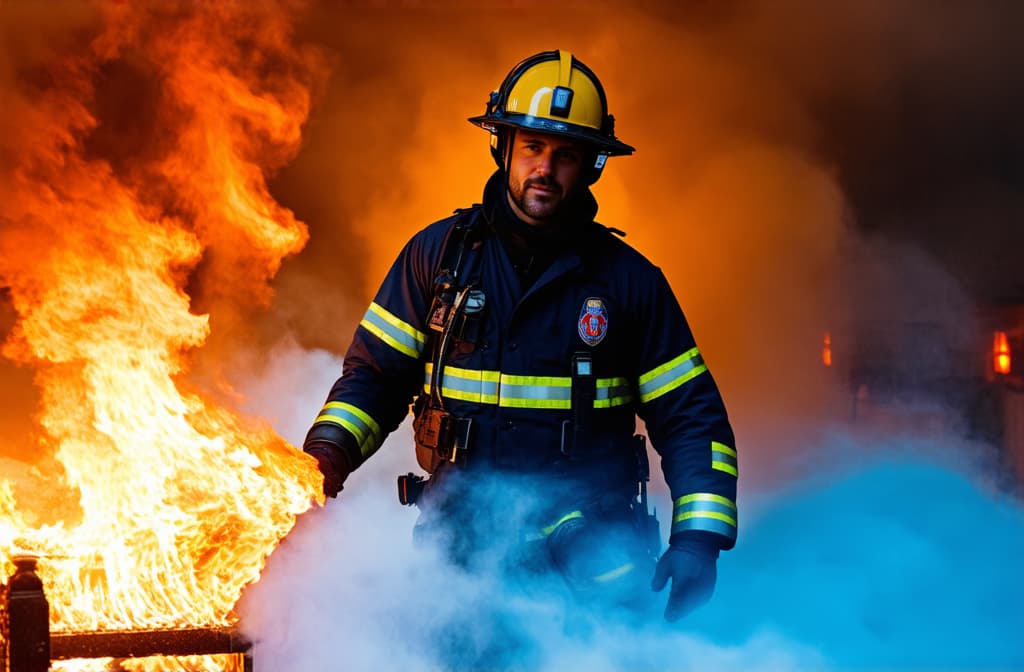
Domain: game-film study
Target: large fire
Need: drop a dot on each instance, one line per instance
(159, 506)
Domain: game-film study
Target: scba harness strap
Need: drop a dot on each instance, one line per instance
(440, 436)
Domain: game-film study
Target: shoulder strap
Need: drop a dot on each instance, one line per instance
(450, 290)
(466, 230)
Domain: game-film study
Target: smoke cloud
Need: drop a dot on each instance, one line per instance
(773, 138)
(893, 546)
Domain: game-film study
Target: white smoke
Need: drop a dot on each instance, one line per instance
(895, 553)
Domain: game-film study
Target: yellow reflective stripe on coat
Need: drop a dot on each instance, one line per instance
(364, 428)
(616, 573)
(400, 335)
(535, 391)
(723, 458)
(613, 392)
(479, 387)
(705, 511)
(546, 531)
(670, 375)
(516, 391)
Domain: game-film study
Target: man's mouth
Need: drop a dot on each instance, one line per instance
(543, 188)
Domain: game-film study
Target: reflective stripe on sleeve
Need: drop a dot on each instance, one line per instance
(671, 374)
(705, 511)
(364, 428)
(723, 458)
(400, 335)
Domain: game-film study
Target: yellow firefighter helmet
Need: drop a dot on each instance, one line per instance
(552, 92)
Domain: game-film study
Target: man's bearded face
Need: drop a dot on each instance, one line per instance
(544, 173)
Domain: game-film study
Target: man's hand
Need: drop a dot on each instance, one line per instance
(690, 563)
(333, 465)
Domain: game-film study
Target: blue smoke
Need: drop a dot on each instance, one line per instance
(901, 564)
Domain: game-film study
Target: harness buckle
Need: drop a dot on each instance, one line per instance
(410, 487)
(460, 439)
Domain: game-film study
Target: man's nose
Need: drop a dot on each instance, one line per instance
(545, 162)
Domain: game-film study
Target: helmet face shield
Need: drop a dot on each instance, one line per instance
(553, 92)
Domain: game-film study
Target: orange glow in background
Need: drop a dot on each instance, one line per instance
(141, 238)
(1001, 353)
(185, 185)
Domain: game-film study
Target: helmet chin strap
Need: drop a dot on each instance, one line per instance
(510, 138)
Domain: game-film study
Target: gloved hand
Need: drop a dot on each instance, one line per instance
(691, 564)
(333, 465)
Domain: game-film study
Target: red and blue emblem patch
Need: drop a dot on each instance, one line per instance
(593, 324)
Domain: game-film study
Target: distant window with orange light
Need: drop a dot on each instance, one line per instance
(1001, 353)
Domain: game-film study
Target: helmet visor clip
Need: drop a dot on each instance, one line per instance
(561, 102)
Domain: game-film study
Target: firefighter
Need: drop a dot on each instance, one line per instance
(531, 338)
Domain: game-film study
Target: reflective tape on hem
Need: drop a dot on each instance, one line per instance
(400, 335)
(670, 375)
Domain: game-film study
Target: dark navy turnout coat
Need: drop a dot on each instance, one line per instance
(599, 305)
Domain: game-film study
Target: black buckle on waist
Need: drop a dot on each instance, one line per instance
(410, 487)
(461, 428)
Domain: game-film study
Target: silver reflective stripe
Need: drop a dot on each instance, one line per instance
(723, 458)
(400, 335)
(535, 391)
(465, 384)
(707, 512)
(516, 391)
(612, 392)
(364, 428)
(672, 374)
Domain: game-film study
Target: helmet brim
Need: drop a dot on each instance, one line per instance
(604, 144)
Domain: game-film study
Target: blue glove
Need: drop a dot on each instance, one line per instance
(690, 563)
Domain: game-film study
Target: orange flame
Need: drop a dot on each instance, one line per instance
(169, 505)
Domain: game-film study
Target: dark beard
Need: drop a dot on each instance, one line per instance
(517, 193)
